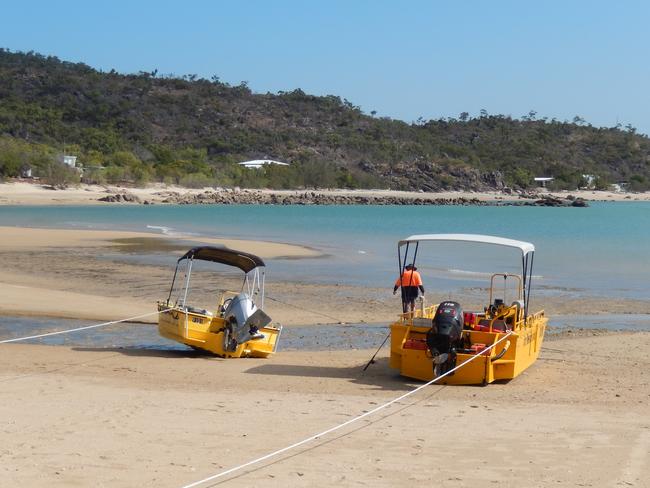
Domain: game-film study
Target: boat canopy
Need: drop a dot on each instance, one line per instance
(242, 260)
(524, 247)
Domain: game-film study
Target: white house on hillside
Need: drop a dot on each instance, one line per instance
(543, 180)
(26, 171)
(589, 181)
(258, 163)
(69, 160)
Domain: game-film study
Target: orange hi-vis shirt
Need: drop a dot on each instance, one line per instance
(409, 278)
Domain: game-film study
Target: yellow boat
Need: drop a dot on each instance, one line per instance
(238, 327)
(429, 341)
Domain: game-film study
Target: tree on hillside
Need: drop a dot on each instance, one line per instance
(193, 131)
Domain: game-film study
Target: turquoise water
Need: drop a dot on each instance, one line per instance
(602, 250)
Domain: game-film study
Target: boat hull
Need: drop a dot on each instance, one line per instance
(410, 355)
(206, 332)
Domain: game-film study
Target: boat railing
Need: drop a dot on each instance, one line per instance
(513, 316)
(534, 317)
(422, 313)
(510, 316)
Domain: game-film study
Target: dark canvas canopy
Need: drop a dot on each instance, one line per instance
(242, 260)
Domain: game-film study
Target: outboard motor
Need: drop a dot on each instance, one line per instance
(243, 321)
(444, 336)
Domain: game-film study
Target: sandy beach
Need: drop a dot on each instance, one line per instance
(122, 418)
(83, 416)
(24, 193)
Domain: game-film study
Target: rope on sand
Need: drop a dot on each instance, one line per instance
(130, 319)
(344, 424)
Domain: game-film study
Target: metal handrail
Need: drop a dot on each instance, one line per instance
(505, 277)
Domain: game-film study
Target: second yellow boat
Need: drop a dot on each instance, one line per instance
(429, 341)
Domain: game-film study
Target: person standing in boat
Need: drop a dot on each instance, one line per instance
(411, 284)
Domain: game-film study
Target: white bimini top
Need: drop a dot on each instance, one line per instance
(524, 247)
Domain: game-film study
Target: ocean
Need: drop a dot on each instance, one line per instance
(600, 251)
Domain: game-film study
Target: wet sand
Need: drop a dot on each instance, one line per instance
(29, 239)
(63, 273)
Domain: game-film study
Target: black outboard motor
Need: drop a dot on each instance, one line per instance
(444, 336)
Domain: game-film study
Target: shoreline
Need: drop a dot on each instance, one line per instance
(65, 276)
(14, 238)
(24, 193)
(63, 273)
(140, 334)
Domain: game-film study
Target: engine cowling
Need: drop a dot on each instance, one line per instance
(445, 334)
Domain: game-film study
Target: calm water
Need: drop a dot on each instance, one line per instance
(145, 336)
(325, 337)
(602, 250)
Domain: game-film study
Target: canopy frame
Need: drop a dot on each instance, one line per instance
(527, 254)
(230, 257)
(250, 264)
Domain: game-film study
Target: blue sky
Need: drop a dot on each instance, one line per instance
(405, 60)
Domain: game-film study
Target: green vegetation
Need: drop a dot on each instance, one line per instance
(192, 131)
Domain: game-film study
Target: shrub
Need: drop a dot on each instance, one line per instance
(196, 180)
(60, 175)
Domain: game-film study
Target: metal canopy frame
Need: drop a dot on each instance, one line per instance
(527, 254)
(251, 265)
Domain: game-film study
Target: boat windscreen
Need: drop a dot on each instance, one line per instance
(242, 260)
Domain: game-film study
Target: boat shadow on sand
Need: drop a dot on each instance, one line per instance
(378, 374)
(151, 352)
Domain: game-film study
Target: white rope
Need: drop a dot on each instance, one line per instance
(340, 426)
(18, 339)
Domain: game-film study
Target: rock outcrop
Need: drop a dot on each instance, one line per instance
(121, 198)
(256, 197)
(246, 197)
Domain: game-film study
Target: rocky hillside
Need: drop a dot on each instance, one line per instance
(192, 131)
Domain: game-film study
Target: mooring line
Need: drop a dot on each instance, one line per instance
(344, 424)
(130, 319)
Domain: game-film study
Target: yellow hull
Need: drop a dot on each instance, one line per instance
(416, 362)
(205, 332)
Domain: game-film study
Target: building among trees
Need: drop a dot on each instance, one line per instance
(69, 160)
(258, 163)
